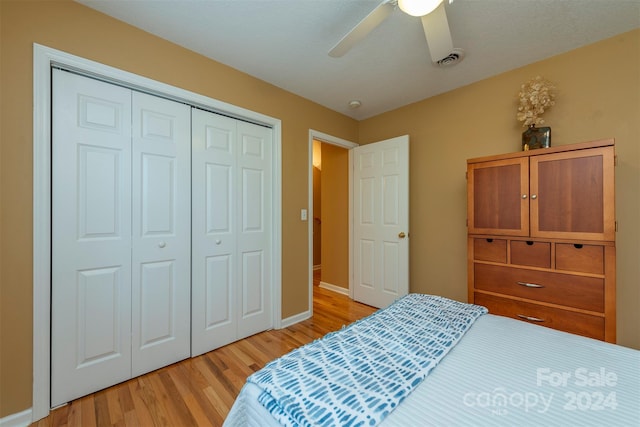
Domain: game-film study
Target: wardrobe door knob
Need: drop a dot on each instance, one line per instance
(218, 241)
(162, 244)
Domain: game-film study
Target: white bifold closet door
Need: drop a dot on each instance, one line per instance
(120, 234)
(231, 230)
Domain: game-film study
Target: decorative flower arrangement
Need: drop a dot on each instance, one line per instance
(535, 97)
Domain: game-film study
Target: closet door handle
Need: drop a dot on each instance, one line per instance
(530, 318)
(218, 241)
(530, 285)
(162, 244)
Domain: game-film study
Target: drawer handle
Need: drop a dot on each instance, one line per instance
(530, 285)
(530, 318)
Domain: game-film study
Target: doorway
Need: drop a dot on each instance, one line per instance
(381, 259)
(330, 213)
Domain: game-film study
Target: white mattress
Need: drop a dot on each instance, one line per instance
(508, 372)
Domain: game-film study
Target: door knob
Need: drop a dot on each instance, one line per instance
(162, 244)
(401, 235)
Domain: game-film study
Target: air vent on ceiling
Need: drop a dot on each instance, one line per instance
(452, 59)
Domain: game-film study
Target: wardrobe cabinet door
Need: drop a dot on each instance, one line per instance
(572, 195)
(498, 197)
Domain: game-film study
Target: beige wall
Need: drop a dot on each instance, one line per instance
(335, 215)
(598, 97)
(73, 28)
(317, 215)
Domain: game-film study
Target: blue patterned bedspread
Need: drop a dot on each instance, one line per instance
(359, 374)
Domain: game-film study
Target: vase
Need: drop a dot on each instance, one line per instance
(535, 137)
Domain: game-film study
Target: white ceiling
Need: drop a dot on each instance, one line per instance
(285, 42)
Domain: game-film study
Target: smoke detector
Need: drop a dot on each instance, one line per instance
(452, 59)
(354, 104)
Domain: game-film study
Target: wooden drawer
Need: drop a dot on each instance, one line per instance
(564, 320)
(533, 254)
(490, 250)
(565, 289)
(584, 258)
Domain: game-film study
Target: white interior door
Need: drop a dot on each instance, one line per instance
(91, 236)
(161, 230)
(381, 221)
(231, 230)
(254, 229)
(213, 237)
(120, 235)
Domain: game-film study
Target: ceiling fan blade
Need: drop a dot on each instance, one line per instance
(364, 27)
(436, 30)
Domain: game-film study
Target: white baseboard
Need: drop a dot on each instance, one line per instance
(21, 419)
(334, 288)
(294, 319)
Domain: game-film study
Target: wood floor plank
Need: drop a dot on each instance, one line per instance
(113, 404)
(88, 415)
(141, 408)
(175, 402)
(151, 399)
(101, 409)
(217, 403)
(200, 391)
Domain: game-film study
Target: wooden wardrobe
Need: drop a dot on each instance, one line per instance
(541, 237)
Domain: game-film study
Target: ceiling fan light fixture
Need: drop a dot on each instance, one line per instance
(418, 7)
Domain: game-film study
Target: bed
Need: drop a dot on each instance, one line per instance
(426, 360)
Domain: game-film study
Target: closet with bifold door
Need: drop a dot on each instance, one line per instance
(127, 233)
(120, 234)
(232, 205)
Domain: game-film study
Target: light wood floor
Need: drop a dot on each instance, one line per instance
(201, 390)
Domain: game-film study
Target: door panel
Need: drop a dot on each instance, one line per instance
(98, 198)
(161, 294)
(218, 291)
(213, 237)
(158, 195)
(99, 336)
(219, 201)
(252, 284)
(390, 273)
(156, 303)
(254, 235)
(381, 221)
(91, 236)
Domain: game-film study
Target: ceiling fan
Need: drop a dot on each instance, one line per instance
(434, 23)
